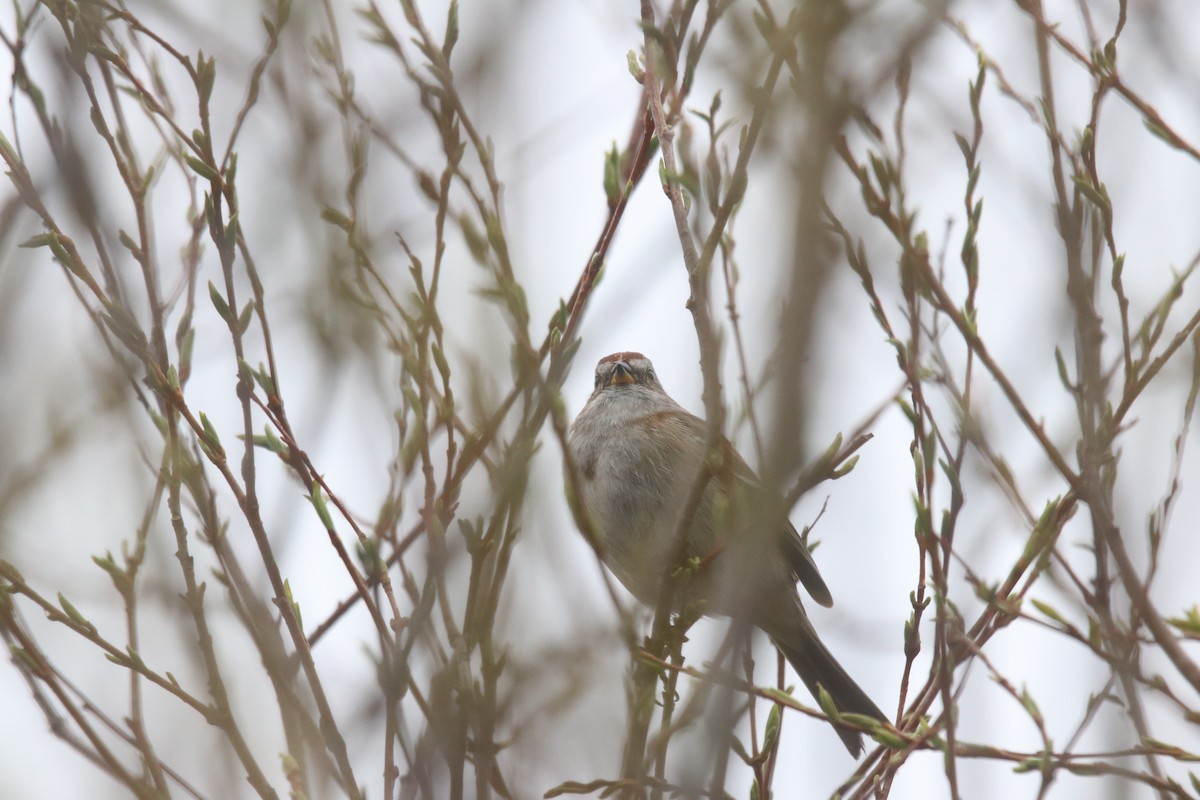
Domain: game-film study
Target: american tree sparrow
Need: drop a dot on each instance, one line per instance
(639, 454)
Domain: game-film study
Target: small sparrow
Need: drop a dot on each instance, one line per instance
(639, 454)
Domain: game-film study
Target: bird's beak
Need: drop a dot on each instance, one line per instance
(621, 374)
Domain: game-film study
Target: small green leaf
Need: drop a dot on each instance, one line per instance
(1086, 139)
(370, 558)
(1061, 362)
(825, 701)
(218, 301)
(269, 441)
(736, 745)
(964, 146)
(912, 637)
(476, 241)
(318, 501)
(202, 169)
(287, 591)
(118, 576)
(451, 29)
(1049, 611)
(427, 185)
(439, 358)
(231, 232)
(1118, 269)
(135, 660)
(832, 450)
(206, 76)
(1096, 196)
(10, 153)
(844, 469)
(337, 218)
(771, 732)
(973, 179)
(1188, 624)
(210, 438)
(130, 244)
(26, 658)
(73, 613)
(246, 317)
(886, 737)
(60, 252)
(101, 52)
(612, 175)
(41, 240)
(1030, 705)
(635, 68)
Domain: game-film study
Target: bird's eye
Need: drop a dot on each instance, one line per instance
(650, 374)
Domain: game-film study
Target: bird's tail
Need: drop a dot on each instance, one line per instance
(816, 665)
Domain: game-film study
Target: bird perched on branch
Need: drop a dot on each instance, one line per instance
(640, 459)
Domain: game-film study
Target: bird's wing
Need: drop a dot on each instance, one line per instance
(794, 550)
(799, 559)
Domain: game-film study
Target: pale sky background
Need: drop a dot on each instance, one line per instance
(553, 98)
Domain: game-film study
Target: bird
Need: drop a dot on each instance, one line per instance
(638, 455)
